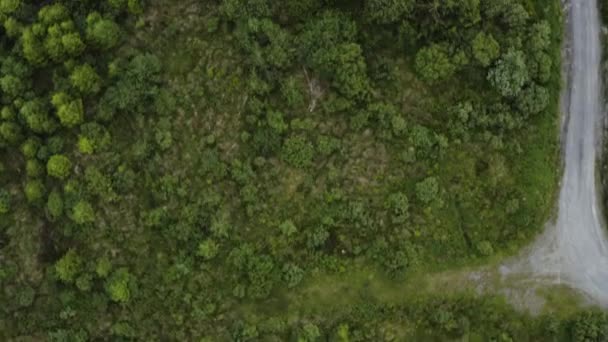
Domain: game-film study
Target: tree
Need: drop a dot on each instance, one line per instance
(208, 249)
(37, 117)
(12, 86)
(11, 132)
(34, 190)
(71, 113)
(119, 285)
(54, 13)
(68, 266)
(33, 168)
(73, 44)
(54, 204)
(345, 65)
(292, 274)
(59, 166)
(30, 147)
(9, 6)
(13, 28)
(103, 33)
(103, 267)
(433, 64)
(85, 79)
(485, 48)
(533, 99)
(388, 11)
(31, 41)
(589, 325)
(5, 201)
(297, 151)
(83, 213)
(398, 205)
(427, 190)
(510, 74)
(324, 32)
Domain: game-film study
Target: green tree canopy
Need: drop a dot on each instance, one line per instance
(59, 166)
(433, 63)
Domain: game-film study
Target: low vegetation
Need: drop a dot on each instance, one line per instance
(178, 170)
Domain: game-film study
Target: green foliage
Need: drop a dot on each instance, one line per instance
(485, 48)
(54, 204)
(37, 117)
(427, 190)
(59, 166)
(33, 168)
(103, 33)
(13, 28)
(208, 249)
(83, 213)
(68, 267)
(10, 132)
(267, 156)
(510, 74)
(25, 296)
(103, 267)
(5, 201)
(9, 6)
(297, 151)
(398, 204)
(433, 64)
(34, 190)
(533, 100)
(70, 112)
(345, 65)
(120, 285)
(30, 148)
(589, 326)
(388, 11)
(85, 79)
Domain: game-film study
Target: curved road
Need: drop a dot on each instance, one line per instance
(574, 250)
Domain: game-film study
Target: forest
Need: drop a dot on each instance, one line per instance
(239, 170)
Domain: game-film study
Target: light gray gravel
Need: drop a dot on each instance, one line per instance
(574, 249)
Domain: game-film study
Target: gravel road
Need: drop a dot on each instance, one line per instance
(574, 249)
